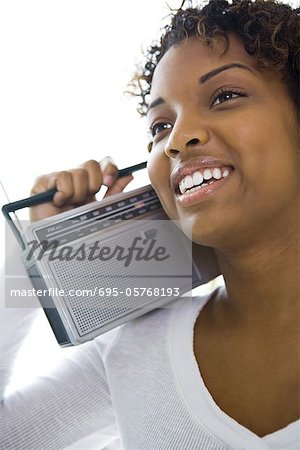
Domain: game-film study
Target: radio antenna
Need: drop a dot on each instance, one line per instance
(20, 228)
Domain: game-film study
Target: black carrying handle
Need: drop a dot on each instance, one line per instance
(47, 196)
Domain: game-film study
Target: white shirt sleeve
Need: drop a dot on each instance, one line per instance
(70, 407)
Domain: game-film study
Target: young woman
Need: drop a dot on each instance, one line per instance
(221, 96)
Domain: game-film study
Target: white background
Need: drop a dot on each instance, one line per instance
(64, 65)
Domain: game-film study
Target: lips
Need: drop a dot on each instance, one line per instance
(198, 173)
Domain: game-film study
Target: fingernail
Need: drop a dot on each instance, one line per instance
(105, 162)
(108, 180)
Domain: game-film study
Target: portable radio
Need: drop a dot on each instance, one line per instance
(99, 265)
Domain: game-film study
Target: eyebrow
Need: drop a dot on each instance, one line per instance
(203, 79)
(155, 103)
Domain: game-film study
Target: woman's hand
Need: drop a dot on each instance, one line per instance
(77, 187)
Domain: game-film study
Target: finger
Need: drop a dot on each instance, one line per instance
(109, 171)
(64, 185)
(80, 180)
(119, 185)
(49, 181)
(43, 183)
(94, 175)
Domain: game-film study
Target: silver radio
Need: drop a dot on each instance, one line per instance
(99, 265)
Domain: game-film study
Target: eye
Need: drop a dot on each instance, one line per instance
(158, 127)
(225, 95)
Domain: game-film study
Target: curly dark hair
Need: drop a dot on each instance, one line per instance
(269, 31)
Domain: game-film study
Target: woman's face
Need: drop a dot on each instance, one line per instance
(216, 119)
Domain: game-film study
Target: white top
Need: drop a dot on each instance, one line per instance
(140, 382)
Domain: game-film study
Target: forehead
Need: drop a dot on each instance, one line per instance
(191, 58)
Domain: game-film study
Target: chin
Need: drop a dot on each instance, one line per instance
(205, 233)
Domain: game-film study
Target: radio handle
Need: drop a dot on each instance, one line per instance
(47, 196)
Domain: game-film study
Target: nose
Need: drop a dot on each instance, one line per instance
(185, 136)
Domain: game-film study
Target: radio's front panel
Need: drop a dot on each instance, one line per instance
(103, 267)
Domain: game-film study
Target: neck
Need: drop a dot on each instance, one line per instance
(262, 280)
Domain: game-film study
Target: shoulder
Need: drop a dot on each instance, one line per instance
(151, 328)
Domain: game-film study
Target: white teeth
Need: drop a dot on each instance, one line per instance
(217, 174)
(188, 181)
(195, 181)
(207, 174)
(196, 188)
(197, 178)
(182, 187)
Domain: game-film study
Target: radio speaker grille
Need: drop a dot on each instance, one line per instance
(81, 280)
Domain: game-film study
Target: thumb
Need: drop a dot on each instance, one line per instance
(109, 171)
(119, 185)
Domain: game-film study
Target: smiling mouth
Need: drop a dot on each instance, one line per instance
(201, 178)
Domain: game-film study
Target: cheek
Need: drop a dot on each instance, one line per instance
(275, 161)
(159, 170)
(266, 149)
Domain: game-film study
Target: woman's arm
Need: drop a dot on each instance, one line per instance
(71, 405)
